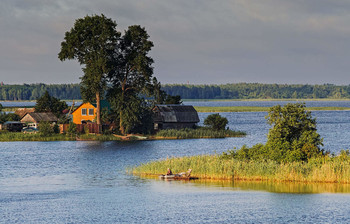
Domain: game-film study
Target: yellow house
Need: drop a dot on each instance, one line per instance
(86, 112)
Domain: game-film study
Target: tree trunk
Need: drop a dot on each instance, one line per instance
(121, 125)
(98, 111)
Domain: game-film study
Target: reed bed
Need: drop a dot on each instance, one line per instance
(320, 170)
(198, 133)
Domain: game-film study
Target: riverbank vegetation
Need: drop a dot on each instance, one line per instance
(328, 169)
(292, 153)
(201, 132)
(6, 136)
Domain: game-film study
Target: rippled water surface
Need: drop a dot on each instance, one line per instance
(86, 182)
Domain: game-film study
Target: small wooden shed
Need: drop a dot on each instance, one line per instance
(174, 116)
(33, 119)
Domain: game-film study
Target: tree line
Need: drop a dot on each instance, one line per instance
(227, 91)
(34, 91)
(258, 91)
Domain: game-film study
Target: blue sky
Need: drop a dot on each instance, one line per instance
(196, 42)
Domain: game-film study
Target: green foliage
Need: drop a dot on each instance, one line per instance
(1, 107)
(8, 117)
(56, 129)
(258, 91)
(45, 129)
(293, 136)
(325, 169)
(131, 75)
(216, 122)
(34, 91)
(92, 41)
(173, 99)
(72, 129)
(18, 136)
(47, 103)
(200, 132)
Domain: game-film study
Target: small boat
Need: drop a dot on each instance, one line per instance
(176, 177)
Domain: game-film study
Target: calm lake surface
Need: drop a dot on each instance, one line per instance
(86, 182)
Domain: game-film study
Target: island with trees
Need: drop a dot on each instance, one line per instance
(293, 152)
(117, 70)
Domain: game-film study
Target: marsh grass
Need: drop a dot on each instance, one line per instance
(18, 136)
(201, 132)
(320, 170)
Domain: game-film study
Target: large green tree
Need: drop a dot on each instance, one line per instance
(131, 75)
(293, 135)
(92, 41)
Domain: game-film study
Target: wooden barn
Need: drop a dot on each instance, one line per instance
(33, 119)
(174, 117)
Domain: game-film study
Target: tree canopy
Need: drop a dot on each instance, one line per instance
(92, 41)
(293, 135)
(216, 122)
(131, 75)
(47, 103)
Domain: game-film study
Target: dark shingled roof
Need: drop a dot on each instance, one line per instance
(175, 113)
(50, 117)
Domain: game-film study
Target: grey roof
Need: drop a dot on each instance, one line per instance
(175, 113)
(37, 117)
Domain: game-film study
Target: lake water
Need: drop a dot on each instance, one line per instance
(86, 182)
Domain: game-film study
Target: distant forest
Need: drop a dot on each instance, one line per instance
(34, 91)
(258, 91)
(227, 91)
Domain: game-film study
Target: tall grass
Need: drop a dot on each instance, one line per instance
(198, 133)
(18, 136)
(326, 170)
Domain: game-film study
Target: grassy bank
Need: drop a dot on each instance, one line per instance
(320, 170)
(197, 133)
(18, 136)
(257, 109)
(163, 134)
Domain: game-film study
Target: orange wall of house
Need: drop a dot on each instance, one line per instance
(77, 114)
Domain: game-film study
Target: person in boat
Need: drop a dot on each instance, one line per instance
(185, 174)
(169, 172)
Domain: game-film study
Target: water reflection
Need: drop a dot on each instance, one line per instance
(273, 187)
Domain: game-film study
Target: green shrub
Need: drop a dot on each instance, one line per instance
(216, 122)
(72, 129)
(45, 129)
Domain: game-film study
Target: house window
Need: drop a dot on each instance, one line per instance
(91, 112)
(83, 111)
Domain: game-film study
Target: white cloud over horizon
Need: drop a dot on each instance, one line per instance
(200, 42)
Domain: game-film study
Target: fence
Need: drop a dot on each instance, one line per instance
(92, 127)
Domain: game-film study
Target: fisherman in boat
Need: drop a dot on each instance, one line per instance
(169, 172)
